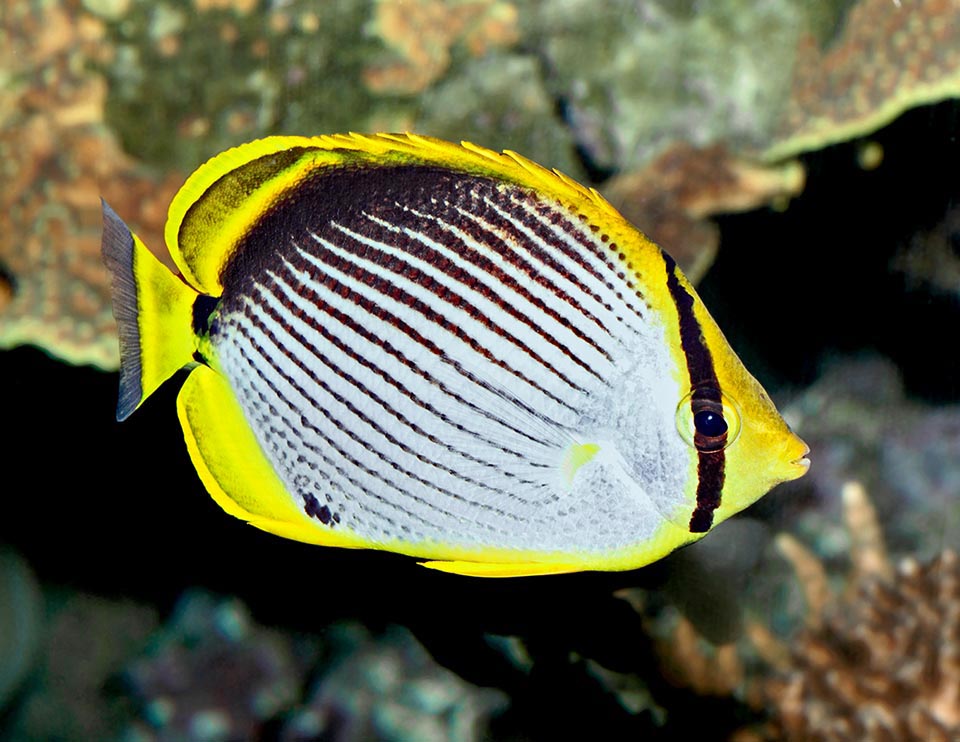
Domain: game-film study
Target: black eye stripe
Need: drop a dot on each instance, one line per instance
(703, 380)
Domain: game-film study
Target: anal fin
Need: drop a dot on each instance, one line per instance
(234, 468)
(501, 569)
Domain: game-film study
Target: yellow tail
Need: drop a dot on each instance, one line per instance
(154, 313)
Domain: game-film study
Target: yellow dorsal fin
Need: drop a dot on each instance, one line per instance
(228, 194)
(471, 158)
(222, 199)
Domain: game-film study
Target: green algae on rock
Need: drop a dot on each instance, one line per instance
(636, 77)
(301, 68)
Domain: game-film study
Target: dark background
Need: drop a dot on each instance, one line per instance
(118, 509)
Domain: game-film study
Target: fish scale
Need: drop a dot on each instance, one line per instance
(405, 344)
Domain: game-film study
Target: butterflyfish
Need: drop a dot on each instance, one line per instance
(400, 343)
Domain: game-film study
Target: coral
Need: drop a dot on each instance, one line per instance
(645, 89)
(74, 74)
(302, 67)
(500, 99)
(673, 196)
(707, 672)
(882, 663)
(212, 674)
(636, 77)
(889, 56)
(863, 426)
(423, 33)
(58, 160)
(877, 657)
(388, 688)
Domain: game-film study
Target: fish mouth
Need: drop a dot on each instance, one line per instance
(801, 463)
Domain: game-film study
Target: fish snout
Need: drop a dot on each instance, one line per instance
(796, 458)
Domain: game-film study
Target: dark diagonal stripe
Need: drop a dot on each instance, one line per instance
(317, 302)
(410, 272)
(509, 224)
(296, 431)
(416, 243)
(705, 385)
(448, 229)
(485, 229)
(392, 291)
(343, 291)
(265, 412)
(308, 369)
(320, 328)
(390, 464)
(615, 278)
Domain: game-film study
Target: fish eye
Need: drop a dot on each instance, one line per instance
(708, 420)
(710, 423)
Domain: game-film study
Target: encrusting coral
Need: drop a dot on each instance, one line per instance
(58, 160)
(423, 33)
(674, 196)
(546, 79)
(890, 56)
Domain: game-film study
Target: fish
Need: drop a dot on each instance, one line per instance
(400, 343)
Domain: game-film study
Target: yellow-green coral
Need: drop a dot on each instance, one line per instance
(889, 57)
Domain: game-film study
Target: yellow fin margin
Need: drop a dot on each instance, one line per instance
(503, 569)
(233, 468)
(200, 242)
(474, 158)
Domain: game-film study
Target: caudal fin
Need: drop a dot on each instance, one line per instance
(153, 309)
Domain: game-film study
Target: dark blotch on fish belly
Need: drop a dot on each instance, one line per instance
(321, 512)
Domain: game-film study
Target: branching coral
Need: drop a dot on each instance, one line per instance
(881, 662)
(887, 669)
(876, 660)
